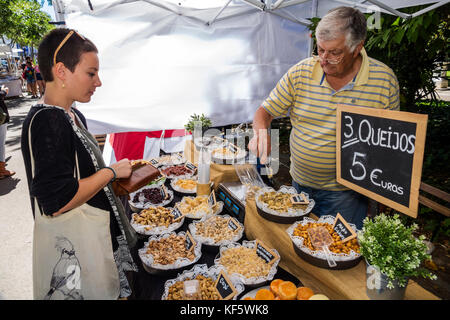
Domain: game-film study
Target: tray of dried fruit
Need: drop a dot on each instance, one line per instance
(154, 221)
(195, 208)
(150, 196)
(346, 255)
(174, 289)
(184, 186)
(215, 231)
(176, 171)
(280, 289)
(243, 261)
(168, 254)
(228, 154)
(277, 206)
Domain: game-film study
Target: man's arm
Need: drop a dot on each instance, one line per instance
(260, 143)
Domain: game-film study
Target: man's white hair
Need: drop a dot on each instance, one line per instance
(343, 20)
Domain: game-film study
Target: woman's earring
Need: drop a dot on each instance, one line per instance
(63, 85)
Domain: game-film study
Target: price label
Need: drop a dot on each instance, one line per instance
(299, 199)
(343, 229)
(190, 166)
(233, 225)
(225, 287)
(190, 242)
(212, 199)
(265, 253)
(232, 147)
(154, 162)
(164, 192)
(177, 215)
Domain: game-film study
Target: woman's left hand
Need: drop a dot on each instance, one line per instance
(122, 168)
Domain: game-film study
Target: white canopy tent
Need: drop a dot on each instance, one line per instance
(163, 60)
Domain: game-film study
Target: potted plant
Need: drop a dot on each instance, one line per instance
(392, 254)
(205, 122)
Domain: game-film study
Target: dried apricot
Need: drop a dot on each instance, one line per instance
(264, 294)
(274, 286)
(287, 290)
(304, 293)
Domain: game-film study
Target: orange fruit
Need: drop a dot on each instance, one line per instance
(304, 293)
(287, 290)
(264, 294)
(274, 286)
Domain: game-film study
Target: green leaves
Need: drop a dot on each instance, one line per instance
(206, 122)
(387, 243)
(25, 23)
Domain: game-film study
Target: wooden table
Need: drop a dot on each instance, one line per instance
(336, 284)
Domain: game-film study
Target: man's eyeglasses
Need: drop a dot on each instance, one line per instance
(63, 42)
(335, 58)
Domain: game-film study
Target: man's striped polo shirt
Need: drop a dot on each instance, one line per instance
(304, 94)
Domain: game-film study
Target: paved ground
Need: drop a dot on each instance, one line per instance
(16, 219)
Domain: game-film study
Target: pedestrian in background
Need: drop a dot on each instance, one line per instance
(3, 172)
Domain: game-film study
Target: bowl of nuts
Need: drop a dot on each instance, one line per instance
(215, 231)
(247, 263)
(150, 196)
(206, 277)
(154, 221)
(279, 206)
(345, 254)
(198, 207)
(169, 253)
(184, 186)
(228, 154)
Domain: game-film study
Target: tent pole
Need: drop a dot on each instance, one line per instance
(282, 4)
(391, 10)
(314, 7)
(432, 7)
(219, 13)
(255, 3)
(276, 4)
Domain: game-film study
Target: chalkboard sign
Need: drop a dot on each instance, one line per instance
(379, 153)
(265, 253)
(164, 193)
(190, 166)
(176, 213)
(225, 287)
(212, 198)
(233, 224)
(343, 229)
(299, 199)
(190, 242)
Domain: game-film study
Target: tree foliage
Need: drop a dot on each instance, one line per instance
(23, 22)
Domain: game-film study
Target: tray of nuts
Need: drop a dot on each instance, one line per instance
(184, 186)
(155, 220)
(168, 253)
(243, 261)
(150, 196)
(215, 231)
(346, 255)
(173, 288)
(198, 207)
(177, 171)
(277, 206)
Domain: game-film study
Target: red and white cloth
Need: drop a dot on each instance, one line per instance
(143, 145)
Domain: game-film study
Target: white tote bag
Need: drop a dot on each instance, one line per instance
(72, 253)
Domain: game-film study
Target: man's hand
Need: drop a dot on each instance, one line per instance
(259, 145)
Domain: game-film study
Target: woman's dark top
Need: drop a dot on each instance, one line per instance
(3, 105)
(54, 144)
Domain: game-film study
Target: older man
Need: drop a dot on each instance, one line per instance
(342, 73)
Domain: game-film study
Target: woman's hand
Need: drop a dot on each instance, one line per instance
(122, 168)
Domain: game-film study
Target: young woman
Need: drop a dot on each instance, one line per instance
(30, 76)
(82, 237)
